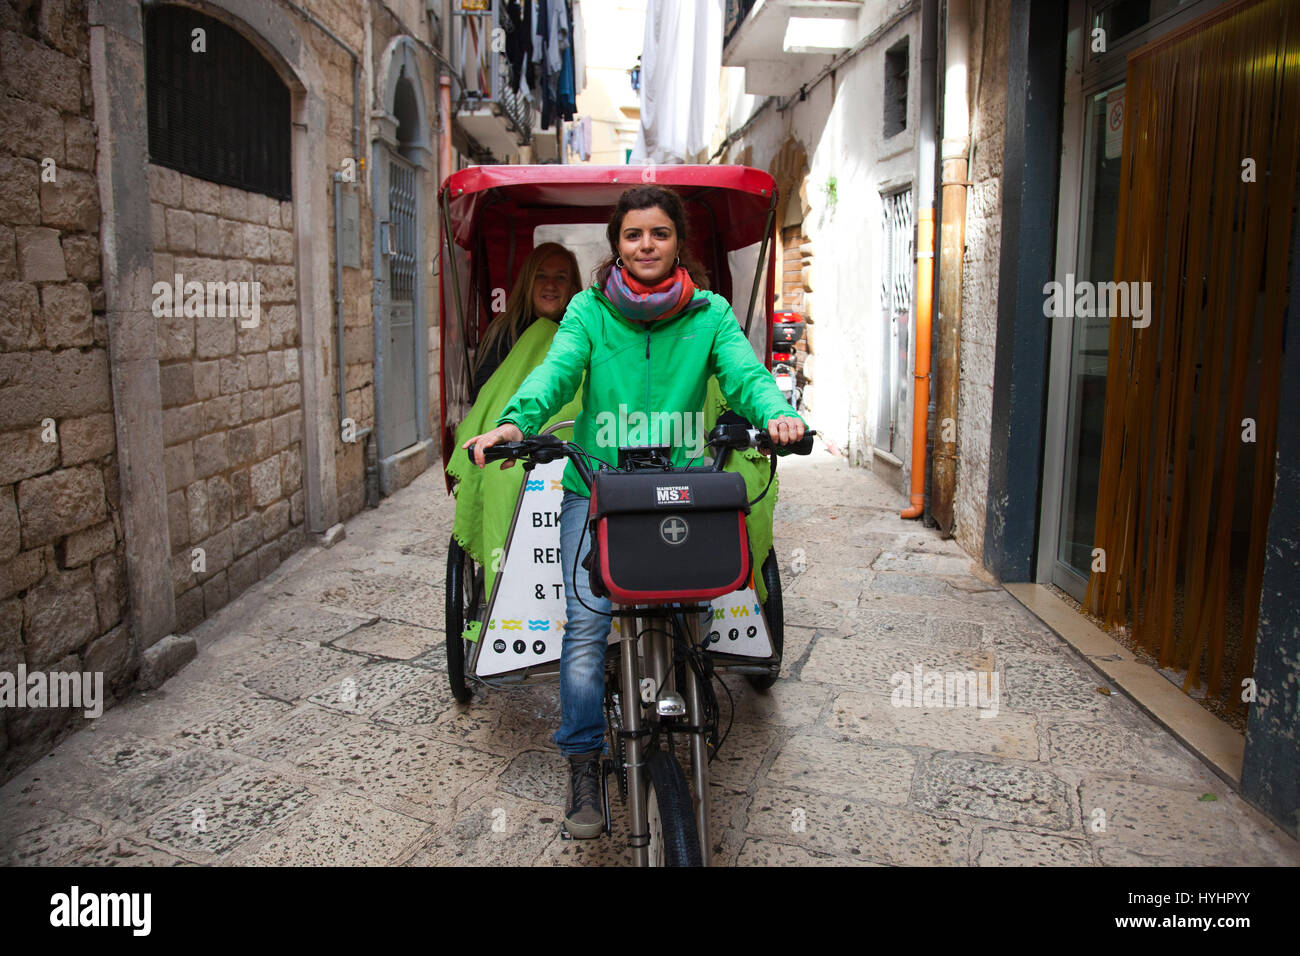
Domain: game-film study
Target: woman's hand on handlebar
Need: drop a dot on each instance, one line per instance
(785, 430)
(497, 435)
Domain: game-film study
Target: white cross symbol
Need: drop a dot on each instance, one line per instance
(673, 530)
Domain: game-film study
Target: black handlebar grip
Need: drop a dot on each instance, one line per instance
(803, 446)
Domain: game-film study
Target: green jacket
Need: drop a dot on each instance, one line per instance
(646, 383)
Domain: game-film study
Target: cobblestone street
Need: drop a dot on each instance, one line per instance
(251, 755)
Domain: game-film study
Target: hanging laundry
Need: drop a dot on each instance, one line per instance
(577, 138)
(543, 38)
(680, 62)
(557, 40)
(566, 101)
(540, 25)
(579, 33)
(514, 20)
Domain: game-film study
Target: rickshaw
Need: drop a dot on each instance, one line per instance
(504, 607)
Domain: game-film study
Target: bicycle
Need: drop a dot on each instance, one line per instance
(659, 661)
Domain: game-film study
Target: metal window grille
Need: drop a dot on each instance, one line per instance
(897, 287)
(896, 309)
(401, 211)
(221, 114)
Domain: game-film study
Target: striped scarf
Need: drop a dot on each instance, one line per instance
(646, 303)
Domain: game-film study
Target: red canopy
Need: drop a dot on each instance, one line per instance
(737, 198)
(493, 212)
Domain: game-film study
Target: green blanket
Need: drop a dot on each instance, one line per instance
(485, 497)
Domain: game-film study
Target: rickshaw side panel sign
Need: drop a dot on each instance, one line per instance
(526, 619)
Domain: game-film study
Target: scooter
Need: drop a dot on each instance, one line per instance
(787, 329)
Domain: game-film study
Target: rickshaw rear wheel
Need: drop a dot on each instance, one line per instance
(460, 604)
(775, 613)
(670, 814)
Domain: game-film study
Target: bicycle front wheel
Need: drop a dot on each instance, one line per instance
(670, 815)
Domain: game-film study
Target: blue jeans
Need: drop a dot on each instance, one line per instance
(586, 633)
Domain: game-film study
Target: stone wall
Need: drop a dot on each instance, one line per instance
(231, 396)
(228, 427)
(980, 274)
(61, 546)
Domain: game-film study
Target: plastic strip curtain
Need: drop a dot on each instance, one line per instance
(1212, 236)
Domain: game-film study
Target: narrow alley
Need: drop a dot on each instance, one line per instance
(316, 727)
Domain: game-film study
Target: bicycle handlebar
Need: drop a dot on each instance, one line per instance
(541, 449)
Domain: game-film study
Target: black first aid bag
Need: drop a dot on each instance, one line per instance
(668, 536)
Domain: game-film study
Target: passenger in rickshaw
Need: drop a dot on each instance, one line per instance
(548, 279)
(649, 287)
(513, 345)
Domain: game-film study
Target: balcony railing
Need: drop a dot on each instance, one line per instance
(486, 71)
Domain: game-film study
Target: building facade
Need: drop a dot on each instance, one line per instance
(218, 322)
(831, 108)
(1114, 253)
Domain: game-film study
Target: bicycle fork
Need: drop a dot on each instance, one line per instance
(634, 746)
(658, 664)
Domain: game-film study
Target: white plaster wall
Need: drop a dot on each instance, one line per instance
(840, 126)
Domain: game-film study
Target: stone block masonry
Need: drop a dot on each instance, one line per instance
(214, 445)
(980, 288)
(62, 565)
(232, 396)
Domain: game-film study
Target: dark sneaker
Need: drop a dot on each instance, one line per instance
(585, 817)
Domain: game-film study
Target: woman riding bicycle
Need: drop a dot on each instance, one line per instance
(648, 338)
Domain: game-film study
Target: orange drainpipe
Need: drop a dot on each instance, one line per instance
(921, 391)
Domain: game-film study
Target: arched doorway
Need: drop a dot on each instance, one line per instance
(401, 155)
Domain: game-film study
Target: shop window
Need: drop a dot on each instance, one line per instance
(217, 109)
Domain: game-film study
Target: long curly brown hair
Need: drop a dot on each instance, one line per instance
(652, 197)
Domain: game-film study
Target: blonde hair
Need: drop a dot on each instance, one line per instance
(510, 324)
